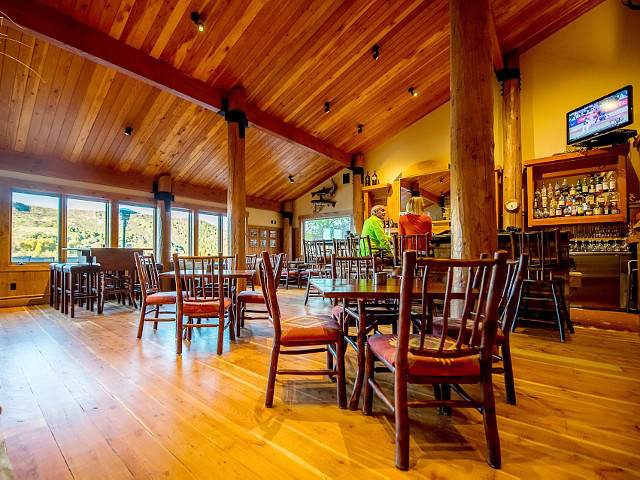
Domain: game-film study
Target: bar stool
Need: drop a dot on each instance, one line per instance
(58, 302)
(81, 282)
(55, 279)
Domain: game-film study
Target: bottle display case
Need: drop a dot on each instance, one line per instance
(582, 187)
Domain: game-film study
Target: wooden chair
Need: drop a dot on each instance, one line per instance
(543, 284)
(419, 243)
(251, 265)
(248, 297)
(151, 293)
(316, 266)
(200, 295)
(508, 310)
(315, 333)
(437, 359)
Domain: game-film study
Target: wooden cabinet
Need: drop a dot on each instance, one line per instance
(260, 239)
(574, 166)
(383, 194)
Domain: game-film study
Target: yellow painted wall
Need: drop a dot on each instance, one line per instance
(343, 198)
(592, 56)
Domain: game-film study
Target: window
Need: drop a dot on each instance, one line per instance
(136, 226)
(326, 228)
(86, 225)
(34, 227)
(225, 235)
(181, 232)
(208, 234)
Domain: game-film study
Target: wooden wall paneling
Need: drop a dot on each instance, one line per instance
(10, 49)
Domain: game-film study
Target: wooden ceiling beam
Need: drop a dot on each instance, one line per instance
(496, 49)
(53, 168)
(69, 34)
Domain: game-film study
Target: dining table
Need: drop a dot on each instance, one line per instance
(363, 290)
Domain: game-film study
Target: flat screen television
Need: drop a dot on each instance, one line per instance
(603, 115)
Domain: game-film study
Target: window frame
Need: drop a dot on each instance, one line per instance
(324, 216)
(220, 216)
(154, 216)
(107, 213)
(191, 227)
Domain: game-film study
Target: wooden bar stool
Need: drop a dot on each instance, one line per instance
(81, 282)
(55, 281)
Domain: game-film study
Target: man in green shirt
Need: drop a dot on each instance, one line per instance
(374, 228)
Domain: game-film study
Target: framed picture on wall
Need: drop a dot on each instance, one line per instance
(253, 232)
(272, 243)
(263, 242)
(272, 233)
(263, 233)
(253, 242)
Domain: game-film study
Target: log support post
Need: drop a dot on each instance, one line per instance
(512, 173)
(162, 193)
(236, 191)
(473, 210)
(287, 230)
(358, 199)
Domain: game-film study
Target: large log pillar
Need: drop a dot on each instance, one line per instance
(358, 200)
(236, 191)
(473, 208)
(163, 239)
(287, 229)
(512, 173)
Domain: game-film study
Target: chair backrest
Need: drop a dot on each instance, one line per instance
(364, 246)
(277, 262)
(315, 252)
(251, 262)
(229, 261)
(543, 249)
(479, 306)
(352, 267)
(269, 286)
(147, 273)
(342, 247)
(198, 279)
(419, 243)
(511, 292)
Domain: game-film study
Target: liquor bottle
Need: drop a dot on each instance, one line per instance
(562, 201)
(374, 178)
(614, 208)
(567, 211)
(598, 184)
(605, 183)
(597, 209)
(556, 190)
(558, 210)
(552, 211)
(543, 192)
(592, 185)
(572, 190)
(545, 213)
(585, 186)
(565, 187)
(580, 209)
(588, 211)
(367, 180)
(578, 186)
(612, 182)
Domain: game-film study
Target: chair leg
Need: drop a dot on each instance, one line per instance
(330, 358)
(179, 329)
(306, 293)
(554, 290)
(239, 318)
(367, 406)
(508, 372)
(445, 388)
(232, 323)
(220, 332)
(565, 311)
(490, 424)
(342, 383)
(271, 381)
(402, 422)
(520, 305)
(143, 310)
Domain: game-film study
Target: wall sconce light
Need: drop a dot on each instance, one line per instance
(360, 128)
(291, 178)
(413, 92)
(128, 131)
(195, 17)
(327, 106)
(376, 51)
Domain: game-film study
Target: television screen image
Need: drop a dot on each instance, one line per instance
(603, 115)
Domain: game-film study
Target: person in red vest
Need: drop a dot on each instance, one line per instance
(415, 222)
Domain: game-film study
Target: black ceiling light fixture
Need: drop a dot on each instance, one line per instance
(128, 131)
(413, 92)
(327, 106)
(442, 180)
(376, 51)
(195, 17)
(291, 178)
(360, 128)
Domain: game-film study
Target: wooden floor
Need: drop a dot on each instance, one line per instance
(83, 398)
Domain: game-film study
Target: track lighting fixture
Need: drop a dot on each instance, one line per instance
(128, 131)
(360, 128)
(195, 17)
(413, 92)
(442, 180)
(291, 178)
(327, 106)
(376, 51)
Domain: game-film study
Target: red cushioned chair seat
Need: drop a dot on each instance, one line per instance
(161, 298)
(250, 296)
(309, 328)
(385, 347)
(203, 307)
(453, 327)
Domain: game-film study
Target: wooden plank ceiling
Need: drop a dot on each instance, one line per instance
(290, 57)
